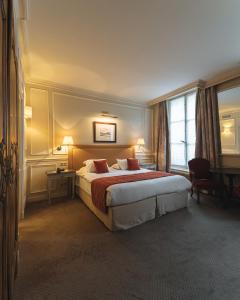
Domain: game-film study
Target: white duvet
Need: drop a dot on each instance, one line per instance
(123, 193)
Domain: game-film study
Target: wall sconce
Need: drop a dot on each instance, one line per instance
(67, 141)
(227, 129)
(108, 115)
(28, 112)
(140, 143)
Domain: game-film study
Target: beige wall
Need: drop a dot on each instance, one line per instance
(231, 161)
(58, 112)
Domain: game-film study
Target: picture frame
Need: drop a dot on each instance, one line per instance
(104, 132)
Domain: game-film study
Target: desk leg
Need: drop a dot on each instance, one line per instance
(230, 179)
(73, 187)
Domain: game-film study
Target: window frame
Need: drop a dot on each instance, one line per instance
(185, 142)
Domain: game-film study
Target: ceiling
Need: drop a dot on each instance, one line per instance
(135, 50)
(229, 100)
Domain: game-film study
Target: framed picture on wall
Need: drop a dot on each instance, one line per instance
(104, 132)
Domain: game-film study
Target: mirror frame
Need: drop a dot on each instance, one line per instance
(228, 85)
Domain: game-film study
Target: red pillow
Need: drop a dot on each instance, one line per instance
(101, 166)
(133, 164)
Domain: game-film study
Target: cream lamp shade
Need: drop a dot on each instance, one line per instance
(67, 140)
(27, 112)
(140, 142)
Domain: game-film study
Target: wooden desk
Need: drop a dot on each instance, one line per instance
(54, 175)
(230, 173)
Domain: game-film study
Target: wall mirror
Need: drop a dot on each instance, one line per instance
(229, 113)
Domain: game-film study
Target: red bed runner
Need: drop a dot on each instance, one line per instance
(99, 186)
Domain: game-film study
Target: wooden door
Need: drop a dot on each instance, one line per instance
(8, 154)
(12, 153)
(3, 149)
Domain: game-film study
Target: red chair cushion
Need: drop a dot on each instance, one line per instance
(205, 184)
(101, 166)
(133, 164)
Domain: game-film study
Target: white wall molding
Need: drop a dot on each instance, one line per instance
(33, 184)
(51, 158)
(83, 94)
(45, 97)
(37, 178)
(81, 97)
(224, 77)
(219, 78)
(180, 91)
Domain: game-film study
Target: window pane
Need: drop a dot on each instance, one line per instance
(191, 132)
(177, 132)
(177, 110)
(191, 106)
(190, 152)
(182, 130)
(178, 154)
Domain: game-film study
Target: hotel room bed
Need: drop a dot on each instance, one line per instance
(133, 203)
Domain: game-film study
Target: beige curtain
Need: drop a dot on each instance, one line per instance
(208, 140)
(161, 136)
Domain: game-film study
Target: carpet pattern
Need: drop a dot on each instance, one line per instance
(66, 253)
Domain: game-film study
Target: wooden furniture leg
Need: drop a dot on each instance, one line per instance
(191, 192)
(198, 196)
(73, 187)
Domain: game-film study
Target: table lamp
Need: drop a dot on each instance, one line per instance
(140, 143)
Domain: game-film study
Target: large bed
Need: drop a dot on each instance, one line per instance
(132, 203)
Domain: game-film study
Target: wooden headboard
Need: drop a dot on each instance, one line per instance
(78, 154)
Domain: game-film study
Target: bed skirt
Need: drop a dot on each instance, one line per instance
(171, 202)
(122, 217)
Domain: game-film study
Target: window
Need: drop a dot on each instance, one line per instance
(182, 130)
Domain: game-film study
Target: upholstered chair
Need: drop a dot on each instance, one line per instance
(200, 177)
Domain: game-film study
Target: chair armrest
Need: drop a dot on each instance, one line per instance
(192, 175)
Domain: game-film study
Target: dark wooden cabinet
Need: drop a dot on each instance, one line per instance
(8, 152)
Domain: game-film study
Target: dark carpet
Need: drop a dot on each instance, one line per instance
(66, 253)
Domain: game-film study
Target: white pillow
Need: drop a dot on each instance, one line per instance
(90, 167)
(91, 160)
(116, 167)
(122, 164)
(82, 171)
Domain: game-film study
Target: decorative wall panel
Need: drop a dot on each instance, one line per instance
(57, 113)
(38, 177)
(39, 131)
(75, 116)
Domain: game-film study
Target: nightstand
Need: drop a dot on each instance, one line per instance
(149, 166)
(54, 175)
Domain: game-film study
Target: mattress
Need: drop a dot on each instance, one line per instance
(124, 193)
